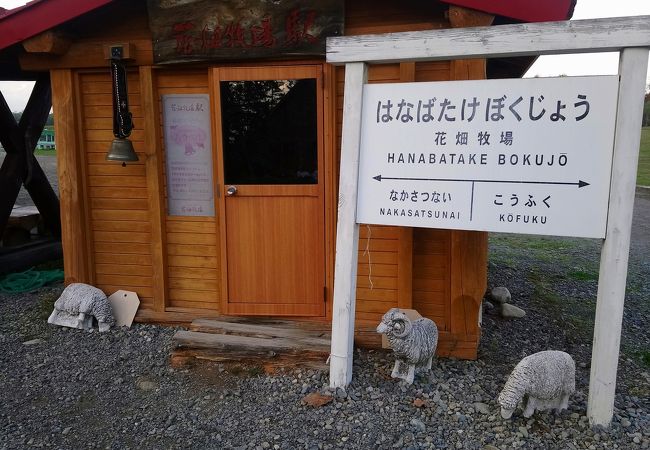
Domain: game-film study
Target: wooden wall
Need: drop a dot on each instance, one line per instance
(118, 234)
(192, 244)
(423, 269)
(119, 227)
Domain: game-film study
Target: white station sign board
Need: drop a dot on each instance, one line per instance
(528, 156)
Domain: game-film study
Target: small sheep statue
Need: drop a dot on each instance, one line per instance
(413, 343)
(541, 381)
(77, 306)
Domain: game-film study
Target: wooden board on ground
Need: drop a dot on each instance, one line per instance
(269, 344)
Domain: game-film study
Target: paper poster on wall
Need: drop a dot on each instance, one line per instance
(188, 153)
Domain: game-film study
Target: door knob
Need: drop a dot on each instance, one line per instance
(232, 190)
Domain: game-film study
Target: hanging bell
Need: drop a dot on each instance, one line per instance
(121, 150)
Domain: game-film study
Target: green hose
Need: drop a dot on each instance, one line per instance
(29, 280)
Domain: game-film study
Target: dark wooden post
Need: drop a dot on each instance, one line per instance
(12, 167)
(20, 165)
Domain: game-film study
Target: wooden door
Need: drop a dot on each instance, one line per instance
(270, 160)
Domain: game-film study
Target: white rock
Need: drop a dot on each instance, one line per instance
(500, 295)
(511, 311)
(482, 408)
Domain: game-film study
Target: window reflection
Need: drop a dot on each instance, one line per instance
(269, 131)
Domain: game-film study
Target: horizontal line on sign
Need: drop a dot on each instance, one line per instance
(578, 183)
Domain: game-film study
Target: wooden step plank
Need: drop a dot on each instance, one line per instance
(272, 353)
(276, 322)
(250, 346)
(254, 330)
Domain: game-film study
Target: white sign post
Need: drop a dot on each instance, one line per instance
(612, 34)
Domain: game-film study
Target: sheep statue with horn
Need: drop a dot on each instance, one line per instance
(413, 342)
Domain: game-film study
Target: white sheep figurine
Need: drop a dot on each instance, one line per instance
(77, 306)
(541, 381)
(413, 343)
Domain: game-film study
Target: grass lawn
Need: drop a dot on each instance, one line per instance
(44, 152)
(643, 175)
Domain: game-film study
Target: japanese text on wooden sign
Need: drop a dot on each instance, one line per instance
(191, 30)
(188, 155)
(526, 156)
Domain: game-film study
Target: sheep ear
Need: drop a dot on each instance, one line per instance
(407, 327)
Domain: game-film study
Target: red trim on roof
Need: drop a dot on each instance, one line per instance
(528, 11)
(37, 16)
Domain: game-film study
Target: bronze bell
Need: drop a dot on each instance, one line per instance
(121, 150)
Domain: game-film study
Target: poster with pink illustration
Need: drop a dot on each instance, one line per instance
(188, 153)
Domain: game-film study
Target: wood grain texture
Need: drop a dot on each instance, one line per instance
(282, 262)
(71, 191)
(154, 179)
(615, 251)
(549, 38)
(347, 237)
(249, 30)
(84, 54)
(51, 41)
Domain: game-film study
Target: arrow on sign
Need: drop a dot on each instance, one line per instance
(579, 183)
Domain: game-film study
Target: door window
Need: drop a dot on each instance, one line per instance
(269, 130)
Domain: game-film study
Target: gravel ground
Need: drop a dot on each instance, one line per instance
(64, 388)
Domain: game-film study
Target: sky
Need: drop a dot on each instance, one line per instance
(17, 93)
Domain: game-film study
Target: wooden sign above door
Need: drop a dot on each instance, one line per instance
(200, 30)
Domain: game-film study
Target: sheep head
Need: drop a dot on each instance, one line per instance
(395, 323)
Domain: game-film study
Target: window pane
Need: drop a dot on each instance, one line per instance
(270, 131)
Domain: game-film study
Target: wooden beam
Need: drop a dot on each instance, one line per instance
(73, 227)
(26, 256)
(405, 234)
(35, 115)
(11, 179)
(616, 247)
(548, 38)
(85, 55)
(44, 197)
(155, 186)
(52, 42)
(21, 166)
(460, 17)
(405, 268)
(347, 230)
(9, 133)
(31, 126)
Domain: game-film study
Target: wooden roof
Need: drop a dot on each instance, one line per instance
(526, 11)
(37, 16)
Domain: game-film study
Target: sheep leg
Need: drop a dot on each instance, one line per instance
(411, 374)
(81, 318)
(397, 369)
(563, 403)
(427, 365)
(530, 407)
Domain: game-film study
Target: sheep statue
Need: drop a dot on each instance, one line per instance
(413, 342)
(541, 381)
(77, 306)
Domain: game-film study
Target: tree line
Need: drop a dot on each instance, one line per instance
(50, 118)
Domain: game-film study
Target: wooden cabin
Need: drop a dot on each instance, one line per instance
(260, 239)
